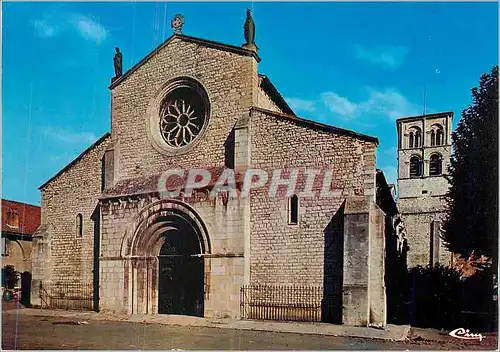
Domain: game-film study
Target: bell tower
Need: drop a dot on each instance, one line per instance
(424, 150)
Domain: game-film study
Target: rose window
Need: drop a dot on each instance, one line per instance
(182, 117)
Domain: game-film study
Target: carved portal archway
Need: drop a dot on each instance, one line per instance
(164, 260)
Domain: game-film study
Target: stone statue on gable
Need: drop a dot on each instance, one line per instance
(249, 28)
(118, 62)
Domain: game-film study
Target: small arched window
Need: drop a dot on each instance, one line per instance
(414, 137)
(79, 225)
(415, 166)
(293, 210)
(437, 135)
(12, 219)
(435, 165)
(418, 139)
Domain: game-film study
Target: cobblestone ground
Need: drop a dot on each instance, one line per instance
(36, 332)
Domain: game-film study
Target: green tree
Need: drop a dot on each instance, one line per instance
(472, 221)
(9, 277)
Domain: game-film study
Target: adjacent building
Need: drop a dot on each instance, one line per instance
(19, 223)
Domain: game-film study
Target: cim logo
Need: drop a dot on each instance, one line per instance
(465, 334)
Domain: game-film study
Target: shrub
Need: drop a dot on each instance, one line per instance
(9, 277)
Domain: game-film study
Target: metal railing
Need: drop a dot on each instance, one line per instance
(66, 295)
(284, 303)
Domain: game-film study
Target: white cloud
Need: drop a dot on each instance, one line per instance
(339, 105)
(387, 57)
(58, 23)
(301, 104)
(44, 29)
(66, 135)
(390, 103)
(387, 102)
(89, 29)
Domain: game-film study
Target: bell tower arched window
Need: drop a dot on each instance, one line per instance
(435, 165)
(415, 166)
(437, 135)
(414, 137)
(418, 139)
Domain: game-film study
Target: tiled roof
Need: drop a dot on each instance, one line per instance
(149, 184)
(274, 94)
(27, 215)
(317, 125)
(428, 116)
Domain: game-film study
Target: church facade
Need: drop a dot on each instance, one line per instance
(199, 104)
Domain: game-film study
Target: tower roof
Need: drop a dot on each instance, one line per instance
(419, 117)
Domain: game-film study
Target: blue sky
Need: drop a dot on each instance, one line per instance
(353, 65)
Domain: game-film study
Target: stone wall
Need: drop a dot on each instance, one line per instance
(424, 188)
(230, 80)
(418, 227)
(364, 295)
(121, 274)
(356, 304)
(294, 254)
(41, 261)
(59, 253)
(376, 266)
(265, 102)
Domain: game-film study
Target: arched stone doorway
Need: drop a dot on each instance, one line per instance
(181, 269)
(164, 257)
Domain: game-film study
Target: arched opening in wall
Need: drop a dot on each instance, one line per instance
(293, 210)
(437, 135)
(181, 269)
(414, 137)
(435, 165)
(415, 166)
(418, 139)
(165, 268)
(79, 225)
(440, 137)
(229, 150)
